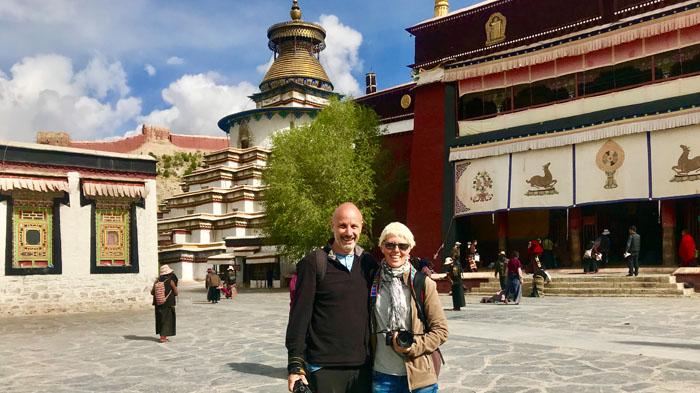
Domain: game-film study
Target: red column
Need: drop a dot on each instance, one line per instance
(424, 215)
(502, 231)
(668, 225)
(575, 236)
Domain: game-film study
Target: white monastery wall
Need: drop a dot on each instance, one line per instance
(75, 289)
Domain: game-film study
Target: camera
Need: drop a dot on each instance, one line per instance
(404, 338)
(299, 387)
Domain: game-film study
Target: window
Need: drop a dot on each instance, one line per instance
(114, 247)
(634, 72)
(33, 237)
(112, 237)
(562, 88)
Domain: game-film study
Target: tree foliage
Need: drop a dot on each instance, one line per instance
(315, 167)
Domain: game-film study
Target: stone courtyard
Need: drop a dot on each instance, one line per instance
(543, 345)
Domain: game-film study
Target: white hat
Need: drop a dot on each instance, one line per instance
(606, 232)
(448, 261)
(165, 269)
(230, 268)
(502, 253)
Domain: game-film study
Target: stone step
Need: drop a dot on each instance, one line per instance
(609, 292)
(599, 278)
(621, 284)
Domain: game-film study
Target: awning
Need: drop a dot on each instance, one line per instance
(262, 257)
(222, 259)
(92, 188)
(9, 183)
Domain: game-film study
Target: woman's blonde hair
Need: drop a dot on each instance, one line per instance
(397, 229)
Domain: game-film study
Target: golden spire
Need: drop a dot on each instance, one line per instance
(295, 12)
(442, 7)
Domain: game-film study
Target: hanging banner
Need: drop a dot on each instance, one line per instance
(542, 179)
(676, 162)
(481, 186)
(612, 169)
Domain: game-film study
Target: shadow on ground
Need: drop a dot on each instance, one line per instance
(259, 369)
(142, 338)
(656, 344)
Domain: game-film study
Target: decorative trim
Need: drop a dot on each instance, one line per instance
(584, 133)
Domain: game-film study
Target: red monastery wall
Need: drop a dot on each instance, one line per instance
(130, 144)
(425, 187)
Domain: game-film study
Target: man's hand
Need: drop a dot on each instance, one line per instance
(294, 377)
(397, 348)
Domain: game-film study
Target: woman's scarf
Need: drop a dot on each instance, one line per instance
(398, 308)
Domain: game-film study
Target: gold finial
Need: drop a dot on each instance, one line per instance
(295, 12)
(442, 7)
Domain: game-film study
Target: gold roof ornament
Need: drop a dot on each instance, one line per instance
(295, 13)
(297, 46)
(442, 8)
(496, 29)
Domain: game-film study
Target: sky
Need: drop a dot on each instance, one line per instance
(98, 69)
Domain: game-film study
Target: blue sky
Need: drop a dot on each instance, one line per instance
(98, 69)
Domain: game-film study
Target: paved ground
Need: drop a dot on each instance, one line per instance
(543, 345)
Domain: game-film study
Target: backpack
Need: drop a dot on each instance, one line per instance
(159, 291)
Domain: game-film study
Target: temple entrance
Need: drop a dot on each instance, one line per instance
(617, 218)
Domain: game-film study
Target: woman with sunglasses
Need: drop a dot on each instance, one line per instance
(403, 364)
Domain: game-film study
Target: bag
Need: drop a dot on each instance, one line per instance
(419, 288)
(588, 254)
(159, 290)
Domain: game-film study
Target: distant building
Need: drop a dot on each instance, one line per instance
(217, 220)
(149, 135)
(79, 230)
(544, 117)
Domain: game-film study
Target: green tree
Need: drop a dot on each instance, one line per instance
(315, 167)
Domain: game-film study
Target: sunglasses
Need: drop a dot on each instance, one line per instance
(391, 246)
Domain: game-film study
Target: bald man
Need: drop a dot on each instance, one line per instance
(328, 331)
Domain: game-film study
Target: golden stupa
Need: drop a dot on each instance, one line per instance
(297, 46)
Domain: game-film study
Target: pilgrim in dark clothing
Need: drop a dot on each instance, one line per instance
(501, 267)
(514, 290)
(165, 313)
(455, 275)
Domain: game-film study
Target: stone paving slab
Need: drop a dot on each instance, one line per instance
(548, 345)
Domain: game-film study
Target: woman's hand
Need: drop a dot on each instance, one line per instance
(397, 348)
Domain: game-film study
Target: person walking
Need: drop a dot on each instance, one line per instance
(328, 333)
(514, 289)
(603, 246)
(548, 253)
(165, 311)
(213, 283)
(455, 255)
(634, 244)
(687, 250)
(401, 364)
(269, 278)
(455, 275)
(230, 283)
(501, 269)
(534, 249)
(472, 256)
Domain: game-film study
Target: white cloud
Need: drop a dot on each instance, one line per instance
(150, 69)
(198, 102)
(44, 94)
(341, 57)
(99, 77)
(174, 60)
(263, 68)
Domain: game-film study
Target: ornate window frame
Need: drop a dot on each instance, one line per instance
(34, 201)
(125, 234)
